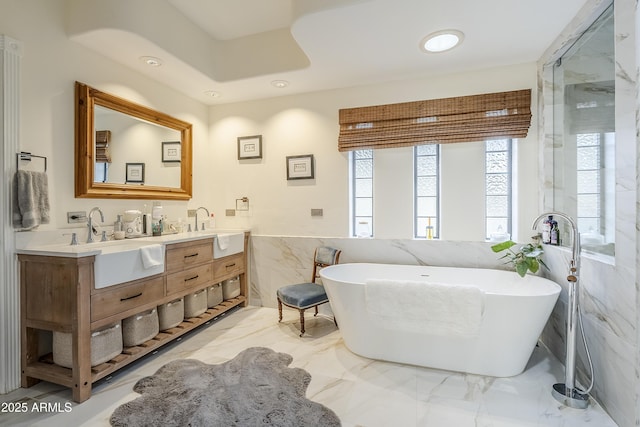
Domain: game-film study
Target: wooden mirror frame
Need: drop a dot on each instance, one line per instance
(85, 187)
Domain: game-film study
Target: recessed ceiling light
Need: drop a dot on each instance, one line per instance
(152, 61)
(212, 93)
(280, 84)
(441, 41)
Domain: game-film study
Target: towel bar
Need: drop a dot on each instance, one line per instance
(26, 156)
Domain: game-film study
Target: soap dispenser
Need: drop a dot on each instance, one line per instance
(118, 228)
(156, 219)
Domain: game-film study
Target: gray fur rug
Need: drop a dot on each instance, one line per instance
(256, 388)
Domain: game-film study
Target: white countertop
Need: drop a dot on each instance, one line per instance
(88, 249)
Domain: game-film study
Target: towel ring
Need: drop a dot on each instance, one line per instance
(26, 156)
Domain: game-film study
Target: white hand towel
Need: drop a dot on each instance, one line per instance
(223, 241)
(430, 308)
(152, 255)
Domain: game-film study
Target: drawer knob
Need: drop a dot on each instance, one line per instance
(192, 255)
(192, 278)
(131, 297)
(231, 265)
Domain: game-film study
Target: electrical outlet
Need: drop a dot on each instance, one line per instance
(76, 217)
(191, 213)
(316, 212)
(230, 212)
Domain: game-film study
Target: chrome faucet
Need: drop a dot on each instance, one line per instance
(90, 223)
(567, 393)
(207, 211)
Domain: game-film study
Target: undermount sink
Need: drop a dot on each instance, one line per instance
(123, 261)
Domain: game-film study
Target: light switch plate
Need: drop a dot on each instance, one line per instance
(316, 212)
(230, 212)
(191, 213)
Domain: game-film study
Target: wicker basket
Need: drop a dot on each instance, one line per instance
(214, 295)
(170, 314)
(140, 328)
(231, 288)
(106, 344)
(195, 304)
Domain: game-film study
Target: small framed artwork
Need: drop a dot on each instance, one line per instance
(171, 152)
(300, 167)
(135, 173)
(250, 147)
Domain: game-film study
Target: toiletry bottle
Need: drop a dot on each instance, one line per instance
(118, 228)
(546, 230)
(554, 235)
(212, 221)
(146, 221)
(156, 219)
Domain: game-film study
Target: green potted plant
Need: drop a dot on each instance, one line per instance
(527, 258)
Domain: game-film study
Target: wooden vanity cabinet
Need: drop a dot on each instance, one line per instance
(58, 295)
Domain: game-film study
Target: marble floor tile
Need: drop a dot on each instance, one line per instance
(362, 392)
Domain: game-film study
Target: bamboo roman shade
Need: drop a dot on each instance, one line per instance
(436, 121)
(102, 146)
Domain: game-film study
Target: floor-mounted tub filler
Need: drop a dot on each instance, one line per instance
(479, 321)
(567, 393)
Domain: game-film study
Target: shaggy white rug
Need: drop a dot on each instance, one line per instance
(256, 388)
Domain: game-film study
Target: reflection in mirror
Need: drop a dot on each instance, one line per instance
(112, 132)
(584, 135)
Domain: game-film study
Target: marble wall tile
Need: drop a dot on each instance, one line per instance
(278, 261)
(608, 288)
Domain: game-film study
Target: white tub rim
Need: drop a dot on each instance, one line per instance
(536, 282)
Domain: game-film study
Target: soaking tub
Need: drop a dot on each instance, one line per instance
(479, 321)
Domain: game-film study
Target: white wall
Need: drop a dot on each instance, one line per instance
(308, 124)
(290, 125)
(50, 65)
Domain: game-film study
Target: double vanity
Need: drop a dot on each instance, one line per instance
(79, 289)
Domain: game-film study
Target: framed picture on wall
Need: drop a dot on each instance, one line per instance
(300, 167)
(135, 173)
(250, 147)
(171, 152)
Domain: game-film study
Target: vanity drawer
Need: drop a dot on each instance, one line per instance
(105, 304)
(184, 255)
(193, 278)
(227, 267)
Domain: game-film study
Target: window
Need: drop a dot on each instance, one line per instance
(589, 187)
(101, 172)
(362, 193)
(498, 187)
(427, 191)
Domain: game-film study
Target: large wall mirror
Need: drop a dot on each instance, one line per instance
(128, 151)
(584, 134)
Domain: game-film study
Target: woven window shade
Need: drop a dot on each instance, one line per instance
(102, 146)
(436, 121)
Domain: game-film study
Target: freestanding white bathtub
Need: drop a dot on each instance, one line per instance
(510, 311)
